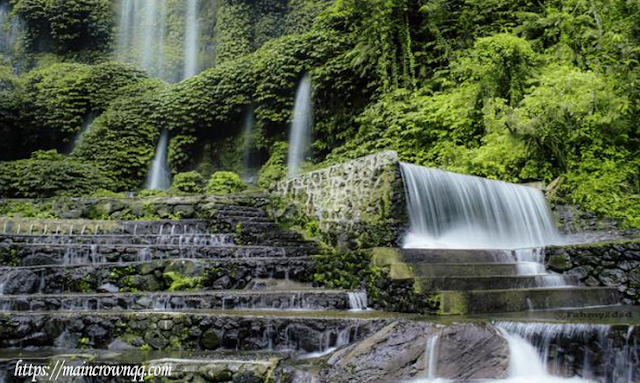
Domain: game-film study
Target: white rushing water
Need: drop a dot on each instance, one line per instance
(358, 300)
(191, 40)
(142, 34)
(526, 364)
(159, 176)
(301, 127)
(455, 211)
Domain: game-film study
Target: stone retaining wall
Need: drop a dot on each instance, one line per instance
(601, 264)
(360, 202)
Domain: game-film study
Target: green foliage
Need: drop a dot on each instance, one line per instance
(48, 174)
(123, 139)
(178, 282)
(275, 168)
(188, 182)
(66, 25)
(225, 183)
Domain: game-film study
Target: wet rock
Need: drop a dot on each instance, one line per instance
(612, 277)
(560, 262)
(18, 282)
(397, 353)
(209, 340)
(119, 345)
(108, 288)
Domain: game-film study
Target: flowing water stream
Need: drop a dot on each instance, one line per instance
(301, 127)
(159, 176)
(455, 211)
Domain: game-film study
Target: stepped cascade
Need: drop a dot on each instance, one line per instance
(252, 290)
(159, 176)
(301, 127)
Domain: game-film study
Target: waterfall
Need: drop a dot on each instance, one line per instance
(191, 40)
(247, 146)
(358, 300)
(606, 356)
(431, 353)
(9, 28)
(300, 136)
(449, 210)
(142, 34)
(160, 175)
(84, 130)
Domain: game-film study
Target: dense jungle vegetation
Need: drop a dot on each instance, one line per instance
(517, 90)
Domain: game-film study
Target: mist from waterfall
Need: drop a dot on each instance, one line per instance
(159, 177)
(455, 211)
(301, 127)
(191, 40)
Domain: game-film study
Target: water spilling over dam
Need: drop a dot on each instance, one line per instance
(449, 210)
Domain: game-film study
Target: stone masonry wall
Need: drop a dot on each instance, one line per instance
(601, 264)
(360, 202)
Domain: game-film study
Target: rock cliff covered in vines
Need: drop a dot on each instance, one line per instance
(513, 90)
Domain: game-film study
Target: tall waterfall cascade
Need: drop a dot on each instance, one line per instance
(301, 127)
(455, 211)
(191, 40)
(9, 28)
(84, 130)
(146, 39)
(159, 177)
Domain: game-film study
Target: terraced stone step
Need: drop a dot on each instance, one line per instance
(231, 330)
(496, 301)
(292, 299)
(433, 270)
(450, 256)
(122, 239)
(152, 276)
(497, 282)
(27, 226)
(185, 366)
(33, 254)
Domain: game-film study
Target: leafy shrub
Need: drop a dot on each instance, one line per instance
(225, 183)
(49, 174)
(275, 168)
(188, 182)
(70, 25)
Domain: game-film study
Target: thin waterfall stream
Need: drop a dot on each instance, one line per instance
(159, 177)
(301, 127)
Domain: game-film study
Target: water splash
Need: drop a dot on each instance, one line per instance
(449, 210)
(159, 177)
(301, 127)
(191, 40)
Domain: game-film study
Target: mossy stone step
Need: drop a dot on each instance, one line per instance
(495, 282)
(497, 301)
(291, 299)
(159, 275)
(457, 256)
(466, 269)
